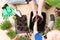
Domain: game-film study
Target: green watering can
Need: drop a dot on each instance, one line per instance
(7, 11)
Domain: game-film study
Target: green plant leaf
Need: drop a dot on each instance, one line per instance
(11, 34)
(55, 3)
(57, 23)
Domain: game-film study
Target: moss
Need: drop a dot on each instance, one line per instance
(5, 25)
(11, 34)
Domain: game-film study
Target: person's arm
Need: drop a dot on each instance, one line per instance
(40, 5)
(35, 27)
(34, 6)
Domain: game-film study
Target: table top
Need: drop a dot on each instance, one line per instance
(25, 10)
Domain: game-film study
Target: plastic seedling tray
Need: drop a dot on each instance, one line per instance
(40, 24)
(21, 24)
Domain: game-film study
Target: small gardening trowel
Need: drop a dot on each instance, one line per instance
(18, 12)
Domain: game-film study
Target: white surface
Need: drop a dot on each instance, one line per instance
(3, 35)
(53, 35)
(1, 19)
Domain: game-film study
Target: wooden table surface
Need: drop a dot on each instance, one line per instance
(25, 10)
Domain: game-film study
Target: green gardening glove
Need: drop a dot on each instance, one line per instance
(7, 12)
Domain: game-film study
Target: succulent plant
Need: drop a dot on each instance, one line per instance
(5, 25)
(57, 23)
(11, 34)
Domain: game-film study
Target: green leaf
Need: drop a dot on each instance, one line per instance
(57, 23)
(55, 3)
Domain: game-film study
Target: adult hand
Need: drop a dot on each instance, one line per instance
(40, 16)
(34, 18)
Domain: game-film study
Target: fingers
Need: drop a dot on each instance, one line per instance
(34, 18)
(37, 17)
(41, 17)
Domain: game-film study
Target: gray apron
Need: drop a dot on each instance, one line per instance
(17, 1)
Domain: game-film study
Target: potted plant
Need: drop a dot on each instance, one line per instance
(11, 34)
(5, 25)
(55, 3)
(57, 23)
(22, 38)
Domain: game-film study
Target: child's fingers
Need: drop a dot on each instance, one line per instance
(36, 21)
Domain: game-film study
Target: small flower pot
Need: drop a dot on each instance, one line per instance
(11, 34)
